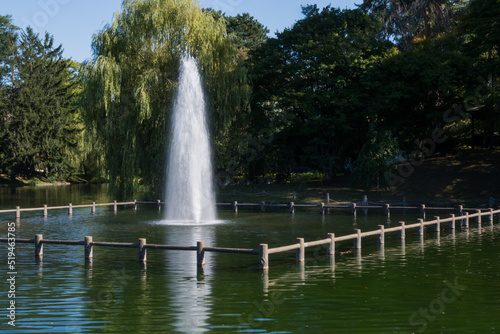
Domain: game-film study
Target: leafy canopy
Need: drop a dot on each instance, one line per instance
(41, 113)
(132, 79)
(303, 81)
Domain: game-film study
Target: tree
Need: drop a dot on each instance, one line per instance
(411, 91)
(132, 78)
(247, 32)
(302, 81)
(8, 37)
(405, 20)
(376, 157)
(481, 31)
(41, 125)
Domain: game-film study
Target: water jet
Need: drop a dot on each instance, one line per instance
(189, 185)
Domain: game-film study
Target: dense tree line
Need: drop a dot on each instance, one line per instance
(340, 91)
(352, 90)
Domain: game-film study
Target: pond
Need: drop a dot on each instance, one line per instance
(442, 283)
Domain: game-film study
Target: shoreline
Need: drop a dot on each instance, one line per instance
(8, 182)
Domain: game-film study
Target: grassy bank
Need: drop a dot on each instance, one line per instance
(467, 178)
(8, 181)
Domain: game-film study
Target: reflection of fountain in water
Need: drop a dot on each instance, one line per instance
(189, 187)
(192, 294)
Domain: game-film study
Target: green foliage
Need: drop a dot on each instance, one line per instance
(410, 91)
(132, 79)
(307, 176)
(40, 115)
(481, 31)
(377, 157)
(303, 83)
(330, 89)
(482, 28)
(8, 45)
(405, 20)
(8, 37)
(247, 32)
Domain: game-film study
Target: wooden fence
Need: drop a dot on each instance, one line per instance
(141, 245)
(352, 207)
(70, 207)
(264, 251)
(357, 236)
(263, 206)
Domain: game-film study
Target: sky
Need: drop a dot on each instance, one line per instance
(73, 22)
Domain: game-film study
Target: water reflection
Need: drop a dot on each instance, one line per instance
(381, 252)
(355, 264)
(422, 245)
(37, 196)
(171, 293)
(190, 290)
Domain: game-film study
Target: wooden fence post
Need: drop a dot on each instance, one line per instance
(478, 220)
(263, 206)
(460, 213)
(70, 209)
(200, 253)
(327, 198)
(353, 208)
(331, 246)
(18, 212)
(422, 210)
(38, 245)
(235, 206)
(491, 217)
(142, 250)
(437, 226)
(115, 206)
(357, 241)
(402, 233)
(381, 236)
(89, 249)
(365, 200)
(301, 252)
(292, 207)
(387, 210)
(45, 213)
(135, 205)
(421, 228)
(264, 257)
(452, 223)
(92, 209)
(322, 208)
(158, 203)
(466, 224)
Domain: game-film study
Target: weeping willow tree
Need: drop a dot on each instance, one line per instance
(132, 79)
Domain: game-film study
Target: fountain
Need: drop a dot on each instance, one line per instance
(189, 187)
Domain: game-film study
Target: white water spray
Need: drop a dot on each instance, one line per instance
(189, 188)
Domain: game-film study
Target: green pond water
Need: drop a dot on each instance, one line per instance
(441, 283)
